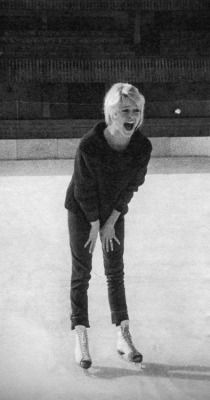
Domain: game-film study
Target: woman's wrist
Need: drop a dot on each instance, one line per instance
(95, 224)
(113, 217)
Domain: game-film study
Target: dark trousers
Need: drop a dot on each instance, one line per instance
(79, 229)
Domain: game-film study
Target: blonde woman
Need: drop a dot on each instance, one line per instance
(110, 164)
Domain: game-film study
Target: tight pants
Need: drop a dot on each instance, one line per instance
(79, 229)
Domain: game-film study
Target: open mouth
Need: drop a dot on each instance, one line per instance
(129, 126)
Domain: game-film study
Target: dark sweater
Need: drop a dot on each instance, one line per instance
(105, 179)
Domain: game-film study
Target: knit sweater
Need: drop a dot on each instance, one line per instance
(105, 179)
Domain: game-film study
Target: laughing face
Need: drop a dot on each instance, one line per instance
(126, 117)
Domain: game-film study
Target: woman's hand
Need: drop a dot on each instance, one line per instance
(95, 226)
(107, 234)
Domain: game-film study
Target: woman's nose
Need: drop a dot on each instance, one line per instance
(131, 115)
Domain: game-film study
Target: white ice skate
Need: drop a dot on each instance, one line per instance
(125, 345)
(82, 350)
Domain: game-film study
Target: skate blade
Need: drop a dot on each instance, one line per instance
(85, 364)
(129, 359)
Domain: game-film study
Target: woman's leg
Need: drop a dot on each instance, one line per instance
(79, 229)
(114, 271)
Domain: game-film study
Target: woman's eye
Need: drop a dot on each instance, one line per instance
(126, 110)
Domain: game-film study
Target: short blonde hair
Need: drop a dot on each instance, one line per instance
(115, 95)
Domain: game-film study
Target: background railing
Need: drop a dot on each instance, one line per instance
(51, 110)
(38, 110)
(106, 4)
(137, 70)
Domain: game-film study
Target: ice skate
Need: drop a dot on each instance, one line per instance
(125, 345)
(82, 350)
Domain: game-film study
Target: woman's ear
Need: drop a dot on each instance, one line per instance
(111, 118)
(114, 115)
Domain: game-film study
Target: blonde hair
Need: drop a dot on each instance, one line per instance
(115, 95)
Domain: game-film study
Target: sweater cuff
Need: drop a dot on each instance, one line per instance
(119, 207)
(92, 216)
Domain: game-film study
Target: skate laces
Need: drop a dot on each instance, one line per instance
(127, 337)
(83, 341)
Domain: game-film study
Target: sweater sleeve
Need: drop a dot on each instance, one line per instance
(137, 179)
(85, 190)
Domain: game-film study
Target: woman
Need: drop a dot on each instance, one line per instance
(110, 164)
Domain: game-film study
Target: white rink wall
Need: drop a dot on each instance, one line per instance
(40, 149)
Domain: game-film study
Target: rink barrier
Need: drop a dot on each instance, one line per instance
(37, 149)
(75, 128)
(96, 5)
(149, 69)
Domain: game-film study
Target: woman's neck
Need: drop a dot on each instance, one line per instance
(115, 139)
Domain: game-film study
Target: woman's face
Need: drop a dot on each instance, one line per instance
(126, 117)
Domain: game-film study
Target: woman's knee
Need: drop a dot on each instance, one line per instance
(114, 268)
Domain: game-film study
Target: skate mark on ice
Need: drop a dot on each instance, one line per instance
(153, 370)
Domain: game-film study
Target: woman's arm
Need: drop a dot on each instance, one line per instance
(86, 190)
(128, 192)
(137, 178)
(86, 194)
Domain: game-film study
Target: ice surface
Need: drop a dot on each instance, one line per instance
(167, 277)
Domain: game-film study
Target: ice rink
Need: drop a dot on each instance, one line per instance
(167, 278)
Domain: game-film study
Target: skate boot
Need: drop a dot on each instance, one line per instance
(82, 350)
(125, 345)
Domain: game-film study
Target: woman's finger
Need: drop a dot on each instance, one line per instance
(86, 244)
(91, 248)
(115, 238)
(91, 245)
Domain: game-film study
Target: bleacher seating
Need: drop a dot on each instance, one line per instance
(86, 45)
(51, 49)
